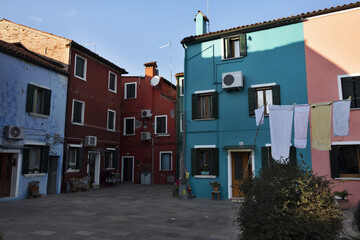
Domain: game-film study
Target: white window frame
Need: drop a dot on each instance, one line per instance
(85, 67)
(67, 158)
(133, 118)
(125, 90)
(171, 161)
(181, 122)
(115, 83)
(181, 92)
(82, 113)
(114, 120)
(223, 48)
(156, 132)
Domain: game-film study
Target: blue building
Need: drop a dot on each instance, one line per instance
(33, 93)
(228, 74)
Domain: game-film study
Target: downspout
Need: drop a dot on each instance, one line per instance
(183, 158)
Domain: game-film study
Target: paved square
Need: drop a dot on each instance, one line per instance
(126, 211)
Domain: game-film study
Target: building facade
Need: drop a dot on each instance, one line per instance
(180, 124)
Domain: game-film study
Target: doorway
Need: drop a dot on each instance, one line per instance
(239, 164)
(5, 174)
(94, 169)
(127, 169)
(52, 175)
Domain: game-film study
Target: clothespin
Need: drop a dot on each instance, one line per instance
(349, 98)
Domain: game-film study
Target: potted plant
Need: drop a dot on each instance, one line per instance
(205, 170)
(341, 199)
(215, 185)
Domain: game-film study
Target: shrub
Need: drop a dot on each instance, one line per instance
(288, 202)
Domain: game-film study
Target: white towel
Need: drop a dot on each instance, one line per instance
(259, 115)
(281, 119)
(341, 115)
(301, 122)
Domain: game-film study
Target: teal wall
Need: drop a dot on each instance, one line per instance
(274, 56)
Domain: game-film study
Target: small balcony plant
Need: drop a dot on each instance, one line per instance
(215, 185)
(205, 170)
(341, 199)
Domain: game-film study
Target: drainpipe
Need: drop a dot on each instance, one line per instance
(183, 158)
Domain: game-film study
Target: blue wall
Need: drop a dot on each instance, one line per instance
(274, 56)
(15, 74)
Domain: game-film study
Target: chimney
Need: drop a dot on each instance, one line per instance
(200, 20)
(151, 69)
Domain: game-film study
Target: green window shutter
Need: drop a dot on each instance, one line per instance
(252, 101)
(80, 159)
(44, 160)
(357, 92)
(334, 161)
(265, 157)
(194, 106)
(25, 163)
(276, 95)
(243, 45)
(47, 101)
(292, 156)
(215, 163)
(194, 162)
(116, 159)
(227, 51)
(30, 98)
(215, 105)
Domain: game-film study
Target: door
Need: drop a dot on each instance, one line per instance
(127, 169)
(239, 164)
(94, 168)
(5, 174)
(52, 174)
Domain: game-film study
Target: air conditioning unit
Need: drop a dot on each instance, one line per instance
(146, 113)
(145, 135)
(90, 141)
(14, 132)
(232, 80)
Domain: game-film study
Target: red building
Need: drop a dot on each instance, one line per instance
(148, 128)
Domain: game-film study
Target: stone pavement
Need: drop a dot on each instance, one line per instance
(123, 212)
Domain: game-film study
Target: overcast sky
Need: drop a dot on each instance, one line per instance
(129, 33)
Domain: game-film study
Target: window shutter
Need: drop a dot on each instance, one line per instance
(215, 104)
(194, 162)
(47, 101)
(265, 157)
(25, 163)
(334, 162)
(44, 161)
(357, 92)
(215, 163)
(243, 45)
(30, 98)
(252, 101)
(227, 48)
(276, 95)
(80, 159)
(292, 156)
(348, 90)
(194, 106)
(116, 159)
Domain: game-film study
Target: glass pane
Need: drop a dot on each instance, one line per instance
(166, 161)
(269, 99)
(348, 160)
(129, 126)
(161, 125)
(238, 167)
(205, 160)
(112, 82)
(111, 120)
(34, 159)
(77, 114)
(130, 91)
(80, 63)
(205, 106)
(237, 48)
(260, 98)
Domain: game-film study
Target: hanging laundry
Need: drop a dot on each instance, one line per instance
(281, 119)
(321, 126)
(259, 115)
(301, 122)
(341, 115)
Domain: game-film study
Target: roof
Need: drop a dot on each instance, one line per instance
(150, 64)
(18, 50)
(268, 24)
(199, 12)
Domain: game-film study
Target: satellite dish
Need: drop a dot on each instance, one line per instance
(155, 81)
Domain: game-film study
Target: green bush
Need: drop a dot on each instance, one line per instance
(288, 202)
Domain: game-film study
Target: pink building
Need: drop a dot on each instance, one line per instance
(332, 51)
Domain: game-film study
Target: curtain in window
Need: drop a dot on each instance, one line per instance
(205, 106)
(166, 161)
(34, 159)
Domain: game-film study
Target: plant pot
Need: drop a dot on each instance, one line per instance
(205, 172)
(215, 188)
(343, 204)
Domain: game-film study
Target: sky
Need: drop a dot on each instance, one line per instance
(129, 33)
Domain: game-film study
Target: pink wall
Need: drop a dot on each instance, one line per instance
(332, 48)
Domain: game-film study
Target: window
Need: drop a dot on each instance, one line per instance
(345, 161)
(259, 96)
(165, 161)
(75, 157)
(130, 90)
(112, 82)
(268, 161)
(35, 159)
(129, 126)
(205, 105)
(111, 159)
(181, 122)
(111, 120)
(80, 67)
(205, 159)
(38, 100)
(161, 124)
(181, 87)
(235, 47)
(350, 86)
(78, 112)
